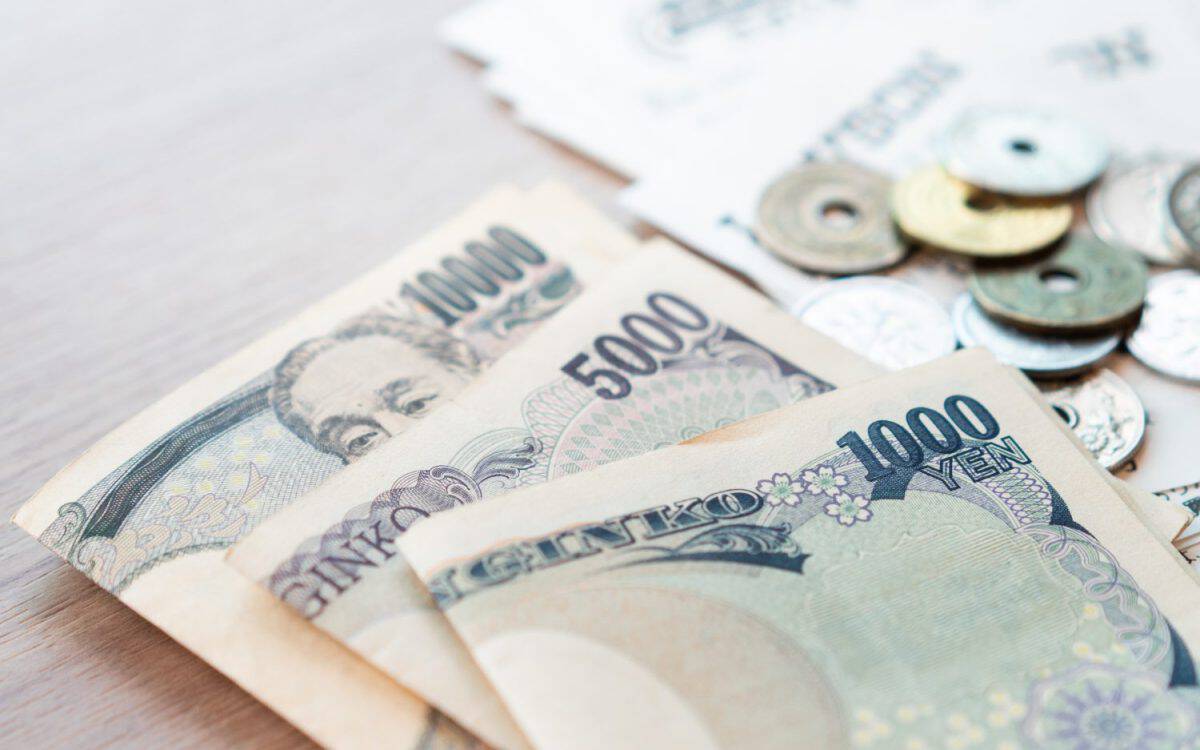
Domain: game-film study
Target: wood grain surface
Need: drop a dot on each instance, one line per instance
(178, 176)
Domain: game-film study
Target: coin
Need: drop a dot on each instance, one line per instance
(832, 218)
(1128, 207)
(1103, 411)
(1083, 284)
(889, 322)
(1022, 153)
(1184, 210)
(1168, 337)
(933, 207)
(1038, 356)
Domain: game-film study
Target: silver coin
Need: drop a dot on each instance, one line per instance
(889, 322)
(1128, 207)
(1038, 356)
(1184, 210)
(831, 218)
(1103, 411)
(1168, 337)
(1022, 153)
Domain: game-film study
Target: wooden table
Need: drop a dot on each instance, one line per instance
(177, 177)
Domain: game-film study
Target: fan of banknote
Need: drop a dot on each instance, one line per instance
(535, 483)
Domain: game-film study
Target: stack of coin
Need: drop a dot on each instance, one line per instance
(1059, 313)
(835, 218)
(1051, 300)
(1046, 300)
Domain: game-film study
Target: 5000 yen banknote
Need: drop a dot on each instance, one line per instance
(664, 349)
(924, 560)
(149, 510)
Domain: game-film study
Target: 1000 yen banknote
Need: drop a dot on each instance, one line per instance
(925, 560)
(665, 348)
(149, 510)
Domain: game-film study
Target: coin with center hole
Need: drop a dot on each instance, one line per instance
(1103, 411)
(889, 322)
(933, 207)
(1081, 285)
(1038, 356)
(831, 218)
(1184, 204)
(1168, 336)
(1128, 208)
(1023, 153)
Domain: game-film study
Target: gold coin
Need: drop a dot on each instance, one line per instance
(933, 207)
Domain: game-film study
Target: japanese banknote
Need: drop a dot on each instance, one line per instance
(663, 349)
(921, 561)
(149, 511)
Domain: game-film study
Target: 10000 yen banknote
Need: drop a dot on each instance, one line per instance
(148, 512)
(925, 560)
(663, 349)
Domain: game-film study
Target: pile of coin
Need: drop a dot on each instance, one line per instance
(1048, 292)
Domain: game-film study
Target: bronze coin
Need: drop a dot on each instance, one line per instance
(1083, 284)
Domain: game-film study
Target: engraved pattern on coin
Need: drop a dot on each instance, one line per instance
(1128, 208)
(1083, 284)
(891, 323)
(1038, 356)
(831, 218)
(1023, 153)
(1184, 203)
(1103, 411)
(1168, 337)
(933, 207)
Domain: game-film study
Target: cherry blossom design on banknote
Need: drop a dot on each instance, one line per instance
(331, 399)
(719, 379)
(1101, 667)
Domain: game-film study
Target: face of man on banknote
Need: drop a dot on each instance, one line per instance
(348, 392)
